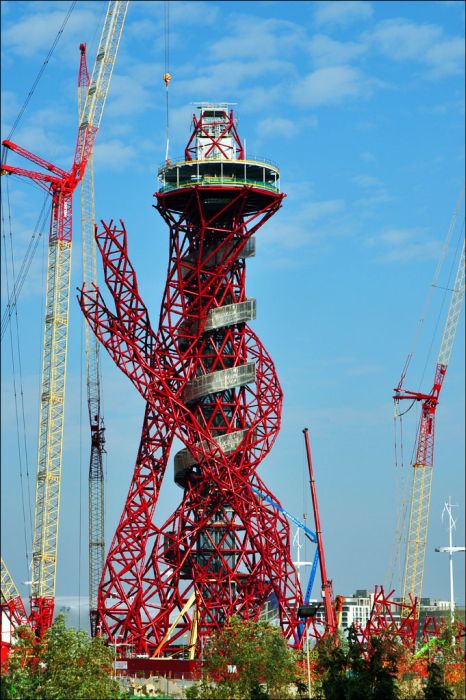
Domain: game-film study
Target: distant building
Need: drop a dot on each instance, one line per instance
(434, 605)
(356, 608)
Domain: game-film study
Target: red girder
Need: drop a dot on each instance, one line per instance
(426, 432)
(222, 543)
(62, 174)
(389, 617)
(228, 127)
(15, 611)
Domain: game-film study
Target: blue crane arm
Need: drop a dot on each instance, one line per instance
(312, 576)
(312, 535)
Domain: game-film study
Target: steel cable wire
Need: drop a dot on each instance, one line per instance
(18, 347)
(18, 440)
(25, 265)
(38, 77)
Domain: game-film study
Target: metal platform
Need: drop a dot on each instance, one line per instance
(221, 380)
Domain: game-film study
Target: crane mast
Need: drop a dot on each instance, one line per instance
(96, 532)
(61, 185)
(96, 86)
(424, 459)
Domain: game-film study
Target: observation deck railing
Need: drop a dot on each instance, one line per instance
(257, 160)
(219, 181)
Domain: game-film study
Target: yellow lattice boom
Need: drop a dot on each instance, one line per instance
(52, 400)
(423, 466)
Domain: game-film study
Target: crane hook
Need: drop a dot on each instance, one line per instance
(166, 78)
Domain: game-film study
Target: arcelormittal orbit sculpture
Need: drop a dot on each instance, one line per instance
(208, 380)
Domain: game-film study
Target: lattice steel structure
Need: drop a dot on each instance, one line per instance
(207, 380)
(11, 603)
(389, 618)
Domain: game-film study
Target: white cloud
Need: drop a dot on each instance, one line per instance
(401, 40)
(186, 12)
(42, 141)
(300, 226)
(113, 154)
(319, 210)
(367, 181)
(367, 156)
(325, 51)
(401, 245)
(219, 80)
(127, 96)
(10, 108)
(258, 39)
(36, 31)
(276, 126)
(375, 193)
(342, 12)
(331, 86)
(446, 57)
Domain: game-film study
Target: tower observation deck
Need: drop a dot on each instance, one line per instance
(215, 158)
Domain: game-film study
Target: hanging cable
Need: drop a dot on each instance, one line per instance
(38, 77)
(167, 77)
(446, 293)
(18, 438)
(26, 264)
(81, 382)
(18, 351)
(428, 298)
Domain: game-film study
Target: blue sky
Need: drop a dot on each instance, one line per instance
(362, 106)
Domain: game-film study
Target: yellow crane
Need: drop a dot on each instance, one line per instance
(61, 185)
(424, 458)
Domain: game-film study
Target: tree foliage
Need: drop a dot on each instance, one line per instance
(66, 664)
(349, 674)
(247, 660)
(436, 688)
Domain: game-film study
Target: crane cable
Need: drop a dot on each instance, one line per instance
(25, 265)
(433, 285)
(15, 393)
(38, 77)
(166, 76)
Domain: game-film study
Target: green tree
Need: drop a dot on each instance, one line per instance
(332, 665)
(66, 664)
(382, 668)
(436, 688)
(249, 661)
(351, 671)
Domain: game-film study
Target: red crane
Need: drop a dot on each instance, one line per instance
(327, 588)
(60, 184)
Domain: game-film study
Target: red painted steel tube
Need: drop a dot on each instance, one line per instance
(327, 591)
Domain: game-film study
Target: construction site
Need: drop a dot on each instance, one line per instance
(155, 499)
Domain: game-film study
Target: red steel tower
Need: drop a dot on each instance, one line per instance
(208, 380)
